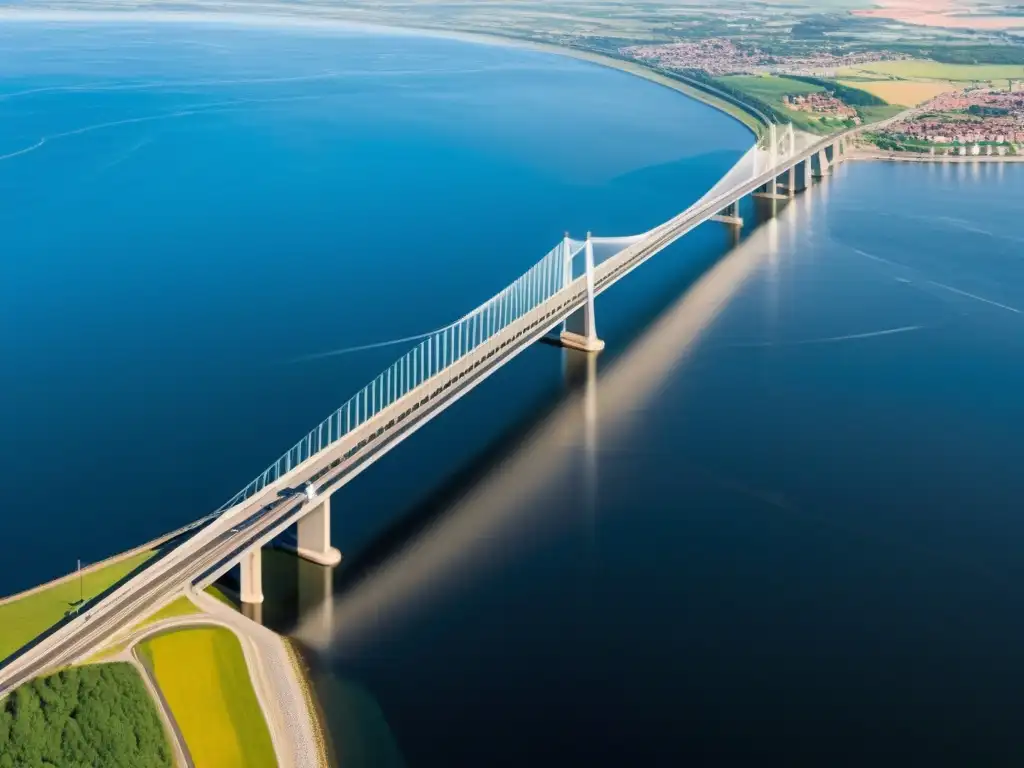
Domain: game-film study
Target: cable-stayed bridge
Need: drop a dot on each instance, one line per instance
(555, 294)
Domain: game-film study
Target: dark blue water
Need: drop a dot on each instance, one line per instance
(778, 523)
(775, 523)
(188, 209)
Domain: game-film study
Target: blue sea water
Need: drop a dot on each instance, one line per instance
(775, 523)
(189, 208)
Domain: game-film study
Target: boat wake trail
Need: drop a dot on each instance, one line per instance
(834, 339)
(24, 150)
(361, 348)
(975, 297)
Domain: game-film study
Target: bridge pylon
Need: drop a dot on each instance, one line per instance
(580, 329)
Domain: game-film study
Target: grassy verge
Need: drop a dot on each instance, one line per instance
(874, 114)
(203, 676)
(24, 617)
(179, 607)
(770, 89)
(101, 714)
(216, 593)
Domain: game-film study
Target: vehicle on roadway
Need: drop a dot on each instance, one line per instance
(309, 492)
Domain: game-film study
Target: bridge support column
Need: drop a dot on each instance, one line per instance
(790, 183)
(580, 330)
(837, 152)
(808, 173)
(252, 576)
(314, 535)
(730, 215)
(822, 164)
(769, 191)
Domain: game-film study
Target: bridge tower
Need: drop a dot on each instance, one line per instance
(580, 329)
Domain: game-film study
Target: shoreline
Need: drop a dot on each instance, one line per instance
(151, 545)
(893, 157)
(203, 15)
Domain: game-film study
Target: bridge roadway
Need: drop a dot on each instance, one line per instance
(220, 543)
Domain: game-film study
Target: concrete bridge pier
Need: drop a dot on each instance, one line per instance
(822, 165)
(807, 174)
(770, 191)
(580, 329)
(251, 588)
(314, 534)
(837, 152)
(730, 215)
(790, 183)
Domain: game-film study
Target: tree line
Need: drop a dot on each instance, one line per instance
(96, 716)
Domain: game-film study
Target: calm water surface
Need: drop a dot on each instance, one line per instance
(190, 209)
(776, 522)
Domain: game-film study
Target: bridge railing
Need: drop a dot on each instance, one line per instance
(451, 343)
(437, 351)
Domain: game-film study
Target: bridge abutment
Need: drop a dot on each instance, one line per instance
(580, 327)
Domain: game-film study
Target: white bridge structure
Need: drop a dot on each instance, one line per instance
(555, 294)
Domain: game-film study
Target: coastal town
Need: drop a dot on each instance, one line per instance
(721, 56)
(976, 121)
(822, 103)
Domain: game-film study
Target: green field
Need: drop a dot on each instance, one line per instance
(771, 89)
(214, 591)
(182, 606)
(203, 676)
(99, 715)
(24, 618)
(933, 70)
(874, 114)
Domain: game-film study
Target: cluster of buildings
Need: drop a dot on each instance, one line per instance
(822, 64)
(963, 121)
(716, 56)
(721, 56)
(821, 103)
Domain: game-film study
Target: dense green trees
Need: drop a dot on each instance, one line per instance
(959, 53)
(855, 97)
(97, 716)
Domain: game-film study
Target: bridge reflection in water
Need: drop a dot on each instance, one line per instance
(558, 291)
(496, 517)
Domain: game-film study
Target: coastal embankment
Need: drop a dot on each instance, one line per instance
(914, 157)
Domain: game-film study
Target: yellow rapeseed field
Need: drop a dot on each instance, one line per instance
(934, 70)
(202, 675)
(907, 93)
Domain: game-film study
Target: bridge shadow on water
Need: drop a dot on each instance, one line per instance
(308, 601)
(297, 589)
